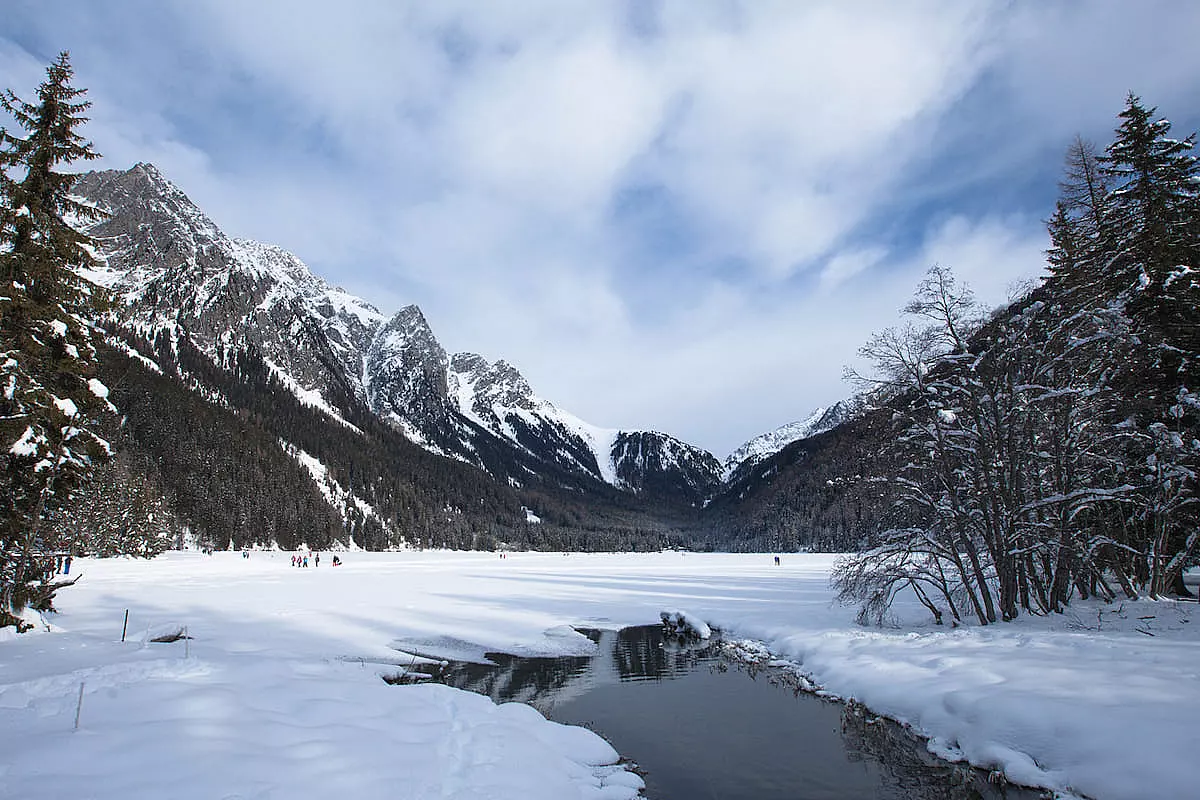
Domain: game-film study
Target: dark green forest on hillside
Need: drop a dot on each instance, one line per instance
(224, 467)
(1010, 461)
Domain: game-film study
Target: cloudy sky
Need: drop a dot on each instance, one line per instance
(682, 215)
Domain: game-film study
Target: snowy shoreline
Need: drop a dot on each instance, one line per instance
(280, 695)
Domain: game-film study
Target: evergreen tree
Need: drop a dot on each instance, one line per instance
(50, 403)
(1084, 191)
(1065, 256)
(1080, 227)
(1155, 183)
(121, 511)
(1155, 204)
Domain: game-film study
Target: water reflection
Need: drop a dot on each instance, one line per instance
(647, 653)
(702, 726)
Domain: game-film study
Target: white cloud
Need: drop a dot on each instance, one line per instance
(555, 127)
(991, 255)
(806, 163)
(845, 265)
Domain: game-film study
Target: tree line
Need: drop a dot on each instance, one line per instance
(1051, 450)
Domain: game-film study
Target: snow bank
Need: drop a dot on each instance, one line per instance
(216, 726)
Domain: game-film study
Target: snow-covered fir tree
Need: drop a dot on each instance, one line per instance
(50, 401)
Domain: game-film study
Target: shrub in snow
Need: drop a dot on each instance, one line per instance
(681, 623)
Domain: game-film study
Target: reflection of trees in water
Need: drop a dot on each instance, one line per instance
(639, 653)
(647, 652)
(525, 680)
(910, 767)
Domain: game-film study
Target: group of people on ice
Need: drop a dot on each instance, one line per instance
(300, 560)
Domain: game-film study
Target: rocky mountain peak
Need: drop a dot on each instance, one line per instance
(485, 388)
(407, 339)
(649, 462)
(142, 195)
(405, 373)
(468, 363)
(173, 269)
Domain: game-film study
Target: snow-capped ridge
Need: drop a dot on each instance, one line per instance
(498, 398)
(171, 269)
(767, 444)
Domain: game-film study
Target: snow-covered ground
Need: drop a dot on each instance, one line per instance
(277, 694)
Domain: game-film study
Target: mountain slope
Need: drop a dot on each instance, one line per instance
(658, 465)
(171, 269)
(179, 283)
(767, 444)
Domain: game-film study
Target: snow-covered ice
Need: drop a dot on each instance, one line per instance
(277, 694)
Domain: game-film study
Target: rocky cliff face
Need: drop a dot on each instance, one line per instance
(405, 376)
(660, 465)
(172, 270)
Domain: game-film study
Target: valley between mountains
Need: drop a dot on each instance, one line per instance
(263, 406)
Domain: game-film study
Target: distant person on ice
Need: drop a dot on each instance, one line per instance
(317, 560)
(336, 561)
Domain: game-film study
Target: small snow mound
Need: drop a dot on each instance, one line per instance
(681, 623)
(165, 633)
(747, 651)
(27, 445)
(97, 388)
(563, 640)
(67, 406)
(30, 621)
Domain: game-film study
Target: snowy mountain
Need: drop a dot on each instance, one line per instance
(767, 444)
(174, 273)
(404, 376)
(655, 463)
(498, 398)
(445, 401)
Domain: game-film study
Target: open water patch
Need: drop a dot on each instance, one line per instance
(700, 724)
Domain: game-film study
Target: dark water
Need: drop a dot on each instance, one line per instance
(700, 726)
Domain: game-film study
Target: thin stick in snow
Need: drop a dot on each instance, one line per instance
(79, 704)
